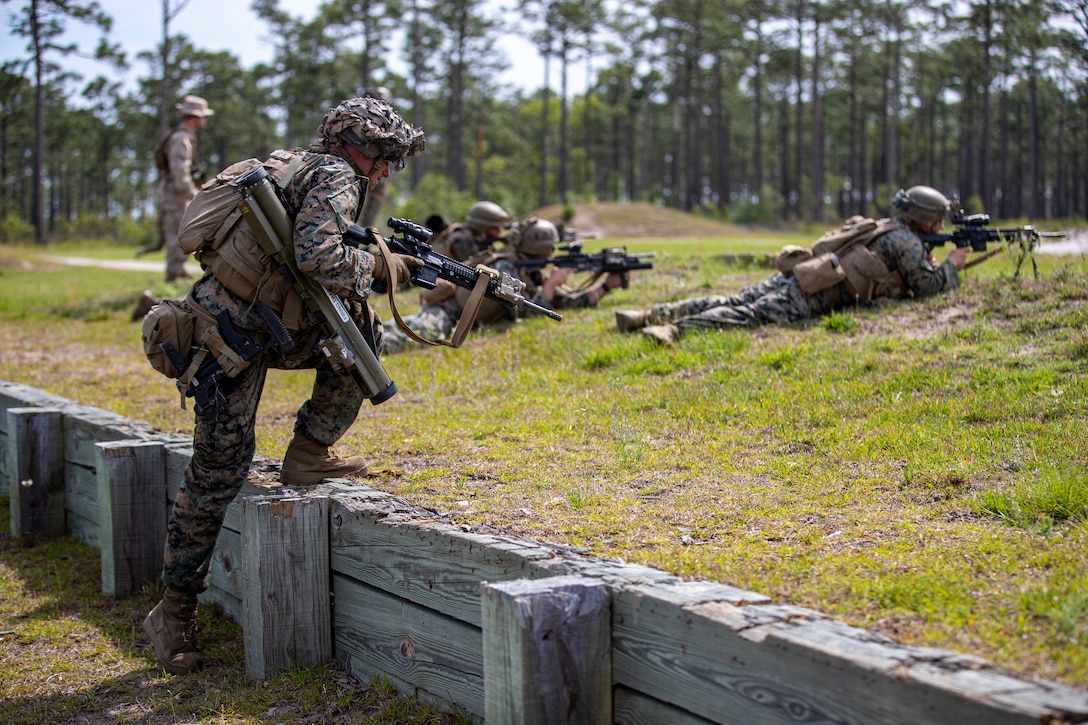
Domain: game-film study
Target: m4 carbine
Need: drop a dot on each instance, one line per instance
(971, 231)
(614, 259)
(414, 242)
(344, 345)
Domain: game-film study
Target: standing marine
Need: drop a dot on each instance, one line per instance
(179, 175)
(360, 142)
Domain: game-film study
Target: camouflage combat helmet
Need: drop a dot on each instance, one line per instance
(537, 238)
(923, 205)
(374, 128)
(484, 215)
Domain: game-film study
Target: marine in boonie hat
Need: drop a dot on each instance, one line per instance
(374, 128)
(194, 106)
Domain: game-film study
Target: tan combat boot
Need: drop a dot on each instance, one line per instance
(630, 320)
(308, 462)
(662, 334)
(143, 306)
(172, 628)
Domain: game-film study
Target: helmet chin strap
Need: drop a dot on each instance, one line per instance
(343, 152)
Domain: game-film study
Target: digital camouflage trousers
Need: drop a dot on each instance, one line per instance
(432, 322)
(223, 450)
(778, 300)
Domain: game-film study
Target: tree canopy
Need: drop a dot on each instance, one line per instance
(750, 111)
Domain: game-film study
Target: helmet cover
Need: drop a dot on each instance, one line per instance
(922, 204)
(484, 215)
(537, 237)
(374, 128)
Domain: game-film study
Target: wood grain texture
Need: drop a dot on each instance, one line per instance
(285, 583)
(131, 518)
(766, 663)
(547, 655)
(411, 554)
(380, 634)
(36, 484)
(630, 707)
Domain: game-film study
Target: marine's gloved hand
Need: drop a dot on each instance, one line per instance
(959, 256)
(403, 264)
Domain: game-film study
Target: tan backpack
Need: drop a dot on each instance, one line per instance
(211, 229)
(162, 162)
(213, 213)
(840, 256)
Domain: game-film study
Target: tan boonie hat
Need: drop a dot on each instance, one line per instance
(194, 106)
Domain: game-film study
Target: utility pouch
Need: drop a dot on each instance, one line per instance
(789, 257)
(865, 272)
(239, 263)
(819, 273)
(170, 321)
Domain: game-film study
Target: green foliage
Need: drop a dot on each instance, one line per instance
(1064, 607)
(783, 359)
(634, 131)
(838, 322)
(1045, 499)
(436, 194)
(761, 209)
(15, 229)
(974, 205)
(89, 226)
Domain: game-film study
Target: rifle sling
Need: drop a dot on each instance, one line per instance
(983, 258)
(468, 314)
(472, 306)
(589, 281)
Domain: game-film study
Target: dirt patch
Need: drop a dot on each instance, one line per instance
(638, 220)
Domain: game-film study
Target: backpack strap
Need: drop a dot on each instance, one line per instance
(289, 171)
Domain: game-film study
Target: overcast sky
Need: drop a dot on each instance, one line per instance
(231, 25)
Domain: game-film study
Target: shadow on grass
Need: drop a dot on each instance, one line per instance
(70, 654)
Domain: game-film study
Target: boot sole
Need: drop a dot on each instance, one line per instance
(302, 479)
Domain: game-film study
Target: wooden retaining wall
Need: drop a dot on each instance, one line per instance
(507, 630)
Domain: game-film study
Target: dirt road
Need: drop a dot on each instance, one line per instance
(130, 265)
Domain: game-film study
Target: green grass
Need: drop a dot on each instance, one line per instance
(70, 654)
(917, 469)
(1052, 498)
